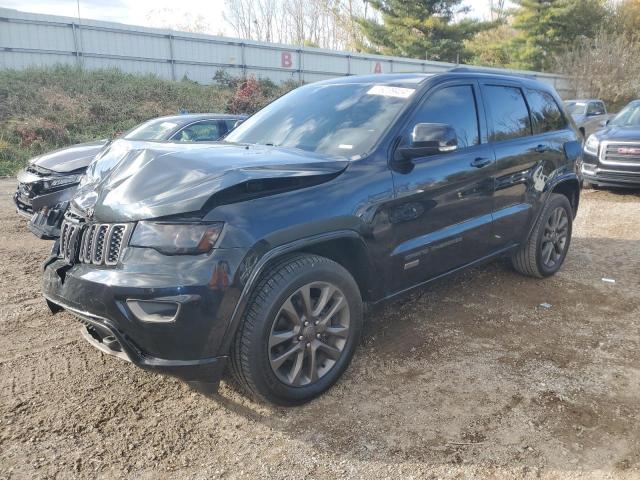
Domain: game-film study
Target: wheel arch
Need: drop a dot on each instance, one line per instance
(345, 247)
(570, 188)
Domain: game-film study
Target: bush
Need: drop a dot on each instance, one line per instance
(46, 108)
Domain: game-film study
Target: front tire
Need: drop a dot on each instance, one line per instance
(546, 248)
(299, 332)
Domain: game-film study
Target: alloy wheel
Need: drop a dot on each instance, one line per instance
(309, 334)
(554, 237)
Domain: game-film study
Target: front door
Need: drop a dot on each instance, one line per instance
(441, 217)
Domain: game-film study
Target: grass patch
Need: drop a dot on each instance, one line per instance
(42, 109)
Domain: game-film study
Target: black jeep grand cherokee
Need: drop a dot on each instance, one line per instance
(260, 252)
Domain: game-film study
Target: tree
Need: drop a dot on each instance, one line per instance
(419, 29)
(626, 18)
(548, 27)
(322, 23)
(606, 67)
(493, 47)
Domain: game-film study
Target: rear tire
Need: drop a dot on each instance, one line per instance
(544, 252)
(299, 331)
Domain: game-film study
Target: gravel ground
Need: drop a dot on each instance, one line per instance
(469, 378)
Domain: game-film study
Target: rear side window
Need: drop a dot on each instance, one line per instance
(509, 113)
(455, 106)
(545, 113)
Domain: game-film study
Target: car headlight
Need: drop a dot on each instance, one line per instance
(176, 238)
(591, 145)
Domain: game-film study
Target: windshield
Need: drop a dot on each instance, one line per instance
(576, 108)
(629, 116)
(339, 119)
(157, 129)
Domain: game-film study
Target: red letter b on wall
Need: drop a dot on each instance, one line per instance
(285, 60)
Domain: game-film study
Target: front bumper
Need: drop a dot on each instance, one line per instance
(189, 347)
(610, 178)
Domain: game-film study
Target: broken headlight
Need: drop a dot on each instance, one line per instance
(176, 238)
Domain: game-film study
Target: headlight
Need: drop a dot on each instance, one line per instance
(176, 238)
(591, 145)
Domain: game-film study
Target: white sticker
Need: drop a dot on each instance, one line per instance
(387, 91)
(345, 146)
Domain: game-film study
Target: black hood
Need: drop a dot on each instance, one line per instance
(69, 159)
(621, 134)
(141, 180)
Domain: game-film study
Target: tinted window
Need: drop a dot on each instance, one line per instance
(343, 119)
(509, 113)
(199, 132)
(545, 113)
(455, 106)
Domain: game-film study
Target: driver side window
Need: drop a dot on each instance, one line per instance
(454, 106)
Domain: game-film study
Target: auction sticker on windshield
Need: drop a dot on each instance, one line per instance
(388, 91)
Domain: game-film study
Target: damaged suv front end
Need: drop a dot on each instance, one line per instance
(148, 264)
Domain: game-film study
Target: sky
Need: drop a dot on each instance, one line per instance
(136, 12)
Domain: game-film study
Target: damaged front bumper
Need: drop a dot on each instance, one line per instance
(44, 209)
(169, 317)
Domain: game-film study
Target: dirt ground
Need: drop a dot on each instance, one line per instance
(469, 378)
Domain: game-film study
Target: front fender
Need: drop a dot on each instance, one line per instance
(259, 258)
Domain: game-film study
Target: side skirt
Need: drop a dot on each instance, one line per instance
(499, 253)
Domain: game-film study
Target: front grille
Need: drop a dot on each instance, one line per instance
(620, 153)
(94, 243)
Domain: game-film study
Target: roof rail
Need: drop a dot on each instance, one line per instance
(493, 71)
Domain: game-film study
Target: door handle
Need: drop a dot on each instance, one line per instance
(480, 162)
(542, 148)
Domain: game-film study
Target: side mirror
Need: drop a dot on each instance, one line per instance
(235, 125)
(429, 139)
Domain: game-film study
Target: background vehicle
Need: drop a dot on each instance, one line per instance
(612, 154)
(260, 251)
(588, 115)
(51, 179)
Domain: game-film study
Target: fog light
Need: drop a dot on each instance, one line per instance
(587, 168)
(153, 311)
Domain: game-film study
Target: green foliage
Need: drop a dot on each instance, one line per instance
(493, 47)
(46, 108)
(549, 27)
(417, 29)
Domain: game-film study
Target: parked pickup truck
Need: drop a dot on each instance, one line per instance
(589, 115)
(50, 180)
(612, 154)
(259, 253)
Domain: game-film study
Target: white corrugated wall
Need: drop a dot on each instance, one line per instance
(28, 39)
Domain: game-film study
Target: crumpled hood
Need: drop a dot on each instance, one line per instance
(132, 181)
(69, 159)
(621, 134)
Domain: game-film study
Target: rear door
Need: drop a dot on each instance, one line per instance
(518, 154)
(441, 218)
